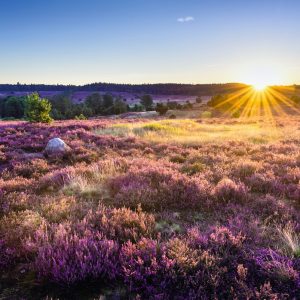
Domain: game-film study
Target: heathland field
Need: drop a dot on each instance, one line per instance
(162, 209)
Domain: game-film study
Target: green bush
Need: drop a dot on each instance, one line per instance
(37, 109)
(81, 117)
(147, 101)
(206, 114)
(161, 109)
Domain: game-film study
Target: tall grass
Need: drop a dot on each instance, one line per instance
(191, 132)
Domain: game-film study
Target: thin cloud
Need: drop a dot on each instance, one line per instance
(185, 19)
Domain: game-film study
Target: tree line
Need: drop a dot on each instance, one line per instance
(61, 107)
(163, 88)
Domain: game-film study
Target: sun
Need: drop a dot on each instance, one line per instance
(260, 77)
(259, 86)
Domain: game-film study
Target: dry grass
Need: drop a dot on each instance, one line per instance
(192, 132)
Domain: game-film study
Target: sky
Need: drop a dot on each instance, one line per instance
(149, 41)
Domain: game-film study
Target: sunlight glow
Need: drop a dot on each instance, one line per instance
(262, 76)
(258, 100)
(259, 86)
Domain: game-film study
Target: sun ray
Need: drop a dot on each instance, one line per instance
(285, 100)
(251, 103)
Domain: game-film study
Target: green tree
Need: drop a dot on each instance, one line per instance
(147, 101)
(137, 108)
(120, 106)
(95, 103)
(37, 109)
(219, 101)
(199, 100)
(14, 107)
(161, 109)
(62, 106)
(108, 104)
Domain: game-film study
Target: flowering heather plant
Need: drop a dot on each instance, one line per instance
(56, 179)
(7, 256)
(146, 268)
(66, 256)
(156, 187)
(64, 208)
(31, 169)
(278, 270)
(245, 169)
(123, 224)
(229, 191)
(16, 227)
(220, 217)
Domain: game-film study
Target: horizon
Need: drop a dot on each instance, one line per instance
(144, 83)
(138, 42)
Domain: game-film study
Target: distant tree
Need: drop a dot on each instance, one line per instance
(95, 103)
(108, 104)
(62, 106)
(198, 100)
(179, 106)
(172, 104)
(161, 109)
(80, 109)
(14, 107)
(146, 101)
(37, 109)
(86, 111)
(108, 101)
(188, 105)
(120, 106)
(219, 101)
(137, 108)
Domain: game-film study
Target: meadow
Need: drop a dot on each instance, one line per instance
(151, 209)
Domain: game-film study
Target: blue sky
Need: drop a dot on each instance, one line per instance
(139, 41)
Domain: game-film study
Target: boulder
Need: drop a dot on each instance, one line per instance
(56, 147)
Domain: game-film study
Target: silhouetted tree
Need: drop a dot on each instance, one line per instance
(95, 103)
(14, 107)
(198, 100)
(146, 101)
(161, 109)
(120, 106)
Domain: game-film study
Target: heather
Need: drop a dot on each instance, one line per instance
(151, 209)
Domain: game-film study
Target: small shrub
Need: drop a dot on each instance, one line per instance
(123, 224)
(158, 188)
(229, 191)
(16, 227)
(290, 239)
(177, 158)
(37, 109)
(32, 169)
(7, 256)
(146, 268)
(277, 269)
(67, 256)
(244, 169)
(192, 169)
(81, 117)
(206, 114)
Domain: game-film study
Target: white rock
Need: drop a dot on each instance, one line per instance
(56, 146)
